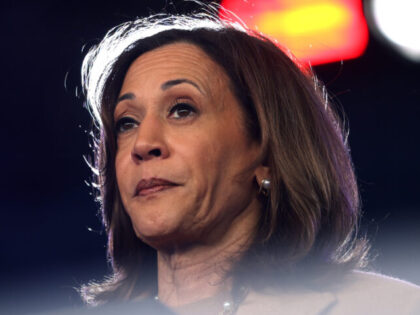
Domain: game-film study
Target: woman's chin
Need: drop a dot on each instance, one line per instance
(157, 235)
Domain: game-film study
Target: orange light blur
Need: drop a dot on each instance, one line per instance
(314, 31)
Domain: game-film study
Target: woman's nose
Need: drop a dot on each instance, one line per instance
(149, 143)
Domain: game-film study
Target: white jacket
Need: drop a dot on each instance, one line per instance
(360, 293)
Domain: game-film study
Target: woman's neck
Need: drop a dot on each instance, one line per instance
(185, 280)
(201, 271)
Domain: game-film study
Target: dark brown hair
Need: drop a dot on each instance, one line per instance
(310, 217)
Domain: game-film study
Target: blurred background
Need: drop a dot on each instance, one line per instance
(50, 234)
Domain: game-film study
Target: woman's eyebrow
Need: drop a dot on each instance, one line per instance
(171, 83)
(127, 96)
(166, 85)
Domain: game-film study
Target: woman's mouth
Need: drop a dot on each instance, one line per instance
(152, 185)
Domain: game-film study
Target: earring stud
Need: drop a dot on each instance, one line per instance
(265, 187)
(266, 184)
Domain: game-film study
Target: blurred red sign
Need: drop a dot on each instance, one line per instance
(314, 31)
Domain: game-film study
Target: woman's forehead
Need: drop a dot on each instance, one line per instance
(175, 61)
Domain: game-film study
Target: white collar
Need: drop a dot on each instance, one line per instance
(279, 302)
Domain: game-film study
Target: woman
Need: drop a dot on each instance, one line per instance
(225, 180)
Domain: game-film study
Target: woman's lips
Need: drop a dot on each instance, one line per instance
(150, 186)
(151, 190)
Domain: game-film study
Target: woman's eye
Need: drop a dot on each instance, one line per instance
(181, 110)
(124, 124)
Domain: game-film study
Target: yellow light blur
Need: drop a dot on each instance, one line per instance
(314, 31)
(304, 20)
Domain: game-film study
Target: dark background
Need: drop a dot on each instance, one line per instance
(50, 234)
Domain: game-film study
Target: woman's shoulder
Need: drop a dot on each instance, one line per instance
(377, 294)
(380, 284)
(358, 292)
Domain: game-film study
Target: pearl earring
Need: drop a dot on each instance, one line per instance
(265, 186)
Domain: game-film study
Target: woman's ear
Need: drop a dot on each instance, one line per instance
(262, 172)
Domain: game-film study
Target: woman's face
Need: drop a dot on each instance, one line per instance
(185, 167)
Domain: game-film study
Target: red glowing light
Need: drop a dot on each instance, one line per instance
(315, 31)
